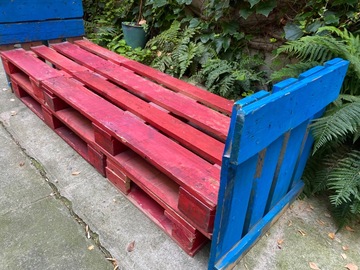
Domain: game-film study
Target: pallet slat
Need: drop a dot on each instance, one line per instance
(213, 122)
(202, 144)
(203, 96)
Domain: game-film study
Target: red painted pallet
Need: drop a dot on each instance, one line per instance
(133, 147)
(197, 141)
(78, 132)
(209, 120)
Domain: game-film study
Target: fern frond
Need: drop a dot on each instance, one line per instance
(338, 122)
(345, 180)
(167, 38)
(293, 70)
(225, 86)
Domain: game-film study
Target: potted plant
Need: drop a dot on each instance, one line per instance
(135, 33)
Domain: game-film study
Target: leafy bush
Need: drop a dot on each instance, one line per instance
(343, 14)
(334, 167)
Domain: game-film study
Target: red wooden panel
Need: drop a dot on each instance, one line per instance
(123, 186)
(50, 119)
(23, 80)
(33, 105)
(32, 66)
(162, 189)
(53, 102)
(97, 159)
(107, 141)
(9, 67)
(200, 214)
(61, 62)
(202, 144)
(73, 140)
(209, 120)
(153, 211)
(189, 239)
(36, 89)
(195, 174)
(77, 123)
(177, 85)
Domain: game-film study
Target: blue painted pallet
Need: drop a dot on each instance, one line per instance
(40, 31)
(39, 10)
(24, 21)
(264, 157)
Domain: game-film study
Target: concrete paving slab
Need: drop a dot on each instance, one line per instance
(299, 238)
(36, 230)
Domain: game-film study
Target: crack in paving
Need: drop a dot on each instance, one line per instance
(66, 202)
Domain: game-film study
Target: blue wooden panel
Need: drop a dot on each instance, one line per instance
(265, 172)
(305, 152)
(284, 171)
(230, 258)
(38, 10)
(271, 128)
(298, 102)
(237, 202)
(283, 84)
(35, 31)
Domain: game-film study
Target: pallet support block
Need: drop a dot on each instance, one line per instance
(36, 89)
(186, 236)
(97, 159)
(118, 178)
(107, 141)
(50, 119)
(198, 212)
(53, 102)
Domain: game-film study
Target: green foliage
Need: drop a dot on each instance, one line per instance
(322, 47)
(335, 165)
(340, 121)
(231, 79)
(177, 52)
(343, 14)
(141, 55)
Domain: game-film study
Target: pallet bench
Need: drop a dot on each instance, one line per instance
(203, 168)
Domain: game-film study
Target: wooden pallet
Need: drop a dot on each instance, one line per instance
(162, 150)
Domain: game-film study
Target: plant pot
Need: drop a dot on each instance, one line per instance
(134, 35)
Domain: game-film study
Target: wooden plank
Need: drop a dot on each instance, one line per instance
(201, 95)
(285, 168)
(30, 65)
(229, 259)
(39, 10)
(263, 178)
(157, 215)
(253, 131)
(57, 59)
(50, 119)
(33, 31)
(184, 167)
(213, 122)
(33, 105)
(314, 96)
(202, 144)
(77, 123)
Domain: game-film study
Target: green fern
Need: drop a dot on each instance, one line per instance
(334, 167)
(344, 180)
(338, 122)
(229, 78)
(176, 50)
(292, 70)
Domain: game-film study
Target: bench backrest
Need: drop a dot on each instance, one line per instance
(23, 21)
(264, 157)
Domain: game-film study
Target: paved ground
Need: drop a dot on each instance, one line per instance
(57, 212)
